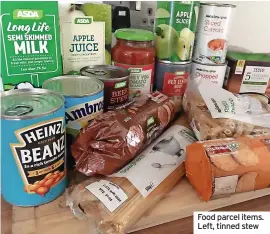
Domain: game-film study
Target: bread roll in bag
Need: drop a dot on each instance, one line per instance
(226, 166)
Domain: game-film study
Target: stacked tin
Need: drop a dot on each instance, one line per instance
(175, 27)
(209, 58)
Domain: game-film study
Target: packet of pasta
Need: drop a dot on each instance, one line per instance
(113, 204)
(215, 113)
(226, 166)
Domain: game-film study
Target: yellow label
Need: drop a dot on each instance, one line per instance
(241, 63)
(45, 170)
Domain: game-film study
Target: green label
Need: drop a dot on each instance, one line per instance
(254, 83)
(135, 70)
(150, 121)
(120, 85)
(83, 20)
(30, 43)
(27, 14)
(175, 29)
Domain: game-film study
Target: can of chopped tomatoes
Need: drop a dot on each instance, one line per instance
(212, 33)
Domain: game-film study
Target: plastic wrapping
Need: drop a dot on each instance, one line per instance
(113, 204)
(114, 138)
(221, 114)
(226, 166)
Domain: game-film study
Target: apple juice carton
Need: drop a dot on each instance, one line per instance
(86, 35)
(175, 27)
(30, 43)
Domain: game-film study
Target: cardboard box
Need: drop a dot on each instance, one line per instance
(30, 43)
(247, 72)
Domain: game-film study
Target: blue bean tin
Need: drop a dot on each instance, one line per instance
(33, 151)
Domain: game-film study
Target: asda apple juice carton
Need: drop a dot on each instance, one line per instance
(30, 43)
(175, 27)
(86, 35)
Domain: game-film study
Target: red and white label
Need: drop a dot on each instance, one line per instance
(222, 149)
(141, 78)
(218, 149)
(175, 84)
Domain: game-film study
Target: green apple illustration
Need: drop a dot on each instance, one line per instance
(185, 44)
(162, 13)
(166, 41)
(100, 12)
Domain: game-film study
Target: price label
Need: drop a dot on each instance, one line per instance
(110, 194)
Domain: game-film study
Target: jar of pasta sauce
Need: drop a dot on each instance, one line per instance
(134, 50)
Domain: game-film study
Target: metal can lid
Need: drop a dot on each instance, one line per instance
(20, 104)
(105, 72)
(218, 4)
(74, 86)
(175, 63)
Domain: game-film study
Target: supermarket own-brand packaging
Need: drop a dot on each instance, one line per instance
(85, 35)
(221, 114)
(175, 27)
(226, 166)
(30, 45)
(248, 72)
(115, 203)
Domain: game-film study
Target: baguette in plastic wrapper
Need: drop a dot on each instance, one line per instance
(114, 204)
(114, 138)
(215, 113)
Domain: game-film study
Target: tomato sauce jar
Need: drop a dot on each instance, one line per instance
(134, 50)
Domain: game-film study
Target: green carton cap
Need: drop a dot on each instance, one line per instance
(131, 34)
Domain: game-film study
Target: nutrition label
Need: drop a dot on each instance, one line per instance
(255, 79)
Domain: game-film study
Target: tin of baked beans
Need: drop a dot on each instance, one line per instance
(214, 72)
(171, 79)
(33, 151)
(116, 83)
(212, 33)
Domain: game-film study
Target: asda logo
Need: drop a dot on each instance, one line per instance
(120, 85)
(135, 70)
(27, 14)
(83, 20)
(179, 73)
(150, 121)
(186, 2)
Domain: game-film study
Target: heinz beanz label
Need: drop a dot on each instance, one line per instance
(30, 45)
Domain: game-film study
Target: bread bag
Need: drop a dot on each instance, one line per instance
(113, 204)
(114, 138)
(227, 166)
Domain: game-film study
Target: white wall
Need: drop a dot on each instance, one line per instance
(251, 26)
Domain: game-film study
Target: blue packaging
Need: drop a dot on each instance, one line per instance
(33, 167)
